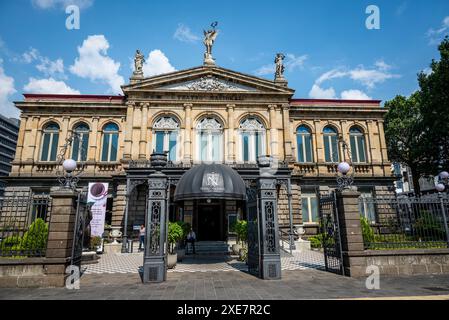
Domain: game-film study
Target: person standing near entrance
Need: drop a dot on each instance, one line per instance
(191, 238)
(141, 237)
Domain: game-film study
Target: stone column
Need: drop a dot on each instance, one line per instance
(64, 134)
(231, 128)
(269, 236)
(188, 134)
(34, 137)
(288, 155)
(143, 132)
(21, 138)
(60, 233)
(154, 265)
(273, 132)
(93, 143)
(351, 233)
(129, 131)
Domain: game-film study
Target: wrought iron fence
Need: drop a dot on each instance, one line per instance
(24, 222)
(406, 223)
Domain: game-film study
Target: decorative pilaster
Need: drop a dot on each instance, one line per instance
(287, 133)
(188, 134)
(273, 132)
(143, 131)
(129, 131)
(231, 128)
(92, 154)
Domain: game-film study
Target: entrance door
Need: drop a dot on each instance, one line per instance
(209, 223)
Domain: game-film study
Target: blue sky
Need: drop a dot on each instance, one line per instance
(330, 52)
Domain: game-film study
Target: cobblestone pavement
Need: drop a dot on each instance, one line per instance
(299, 284)
(131, 263)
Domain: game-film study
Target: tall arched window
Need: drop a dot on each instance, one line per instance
(252, 139)
(50, 141)
(331, 150)
(304, 142)
(165, 137)
(80, 142)
(358, 148)
(110, 142)
(210, 140)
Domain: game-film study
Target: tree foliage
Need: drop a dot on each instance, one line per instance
(417, 127)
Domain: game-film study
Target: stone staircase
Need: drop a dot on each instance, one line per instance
(211, 248)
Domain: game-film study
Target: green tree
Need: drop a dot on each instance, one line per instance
(417, 127)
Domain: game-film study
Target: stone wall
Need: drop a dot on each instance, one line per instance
(409, 262)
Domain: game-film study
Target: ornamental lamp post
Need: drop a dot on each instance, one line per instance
(441, 187)
(69, 165)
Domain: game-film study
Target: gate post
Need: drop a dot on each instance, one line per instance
(351, 233)
(154, 265)
(60, 233)
(269, 236)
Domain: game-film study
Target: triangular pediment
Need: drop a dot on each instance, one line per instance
(207, 79)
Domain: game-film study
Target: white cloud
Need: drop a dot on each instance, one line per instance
(319, 93)
(184, 34)
(94, 64)
(354, 95)
(367, 77)
(48, 86)
(45, 65)
(49, 4)
(436, 36)
(6, 91)
(157, 63)
(291, 63)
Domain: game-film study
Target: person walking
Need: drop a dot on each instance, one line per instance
(142, 232)
(191, 238)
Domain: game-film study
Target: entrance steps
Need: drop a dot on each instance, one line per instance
(211, 248)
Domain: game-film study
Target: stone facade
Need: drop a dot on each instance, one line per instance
(188, 97)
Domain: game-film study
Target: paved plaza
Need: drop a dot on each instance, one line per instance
(298, 284)
(132, 263)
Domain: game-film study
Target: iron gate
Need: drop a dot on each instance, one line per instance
(330, 233)
(81, 223)
(253, 233)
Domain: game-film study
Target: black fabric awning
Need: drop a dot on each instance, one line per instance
(210, 181)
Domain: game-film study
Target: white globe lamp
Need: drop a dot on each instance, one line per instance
(69, 165)
(440, 187)
(444, 175)
(344, 168)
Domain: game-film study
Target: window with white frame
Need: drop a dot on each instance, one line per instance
(80, 142)
(331, 150)
(309, 208)
(110, 142)
(358, 148)
(304, 144)
(252, 139)
(50, 139)
(209, 140)
(366, 206)
(165, 137)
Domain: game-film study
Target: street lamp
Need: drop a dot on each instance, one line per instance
(345, 170)
(443, 181)
(67, 179)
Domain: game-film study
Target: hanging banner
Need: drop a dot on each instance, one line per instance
(98, 197)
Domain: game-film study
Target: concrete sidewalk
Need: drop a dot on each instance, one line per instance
(300, 284)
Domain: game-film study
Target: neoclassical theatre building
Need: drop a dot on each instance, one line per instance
(198, 116)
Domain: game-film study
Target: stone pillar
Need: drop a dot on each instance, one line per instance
(231, 128)
(288, 155)
(269, 236)
(34, 137)
(155, 264)
(60, 233)
(143, 132)
(188, 134)
(129, 131)
(93, 144)
(351, 233)
(21, 138)
(273, 132)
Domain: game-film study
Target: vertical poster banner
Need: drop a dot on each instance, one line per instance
(98, 197)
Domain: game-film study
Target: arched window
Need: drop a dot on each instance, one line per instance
(252, 139)
(110, 142)
(304, 142)
(165, 137)
(50, 141)
(358, 149)
(331, 150)
(80, 142)
(210, 140)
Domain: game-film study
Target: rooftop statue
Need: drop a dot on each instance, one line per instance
(280, 68)
(209, 39)
(139, 60)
